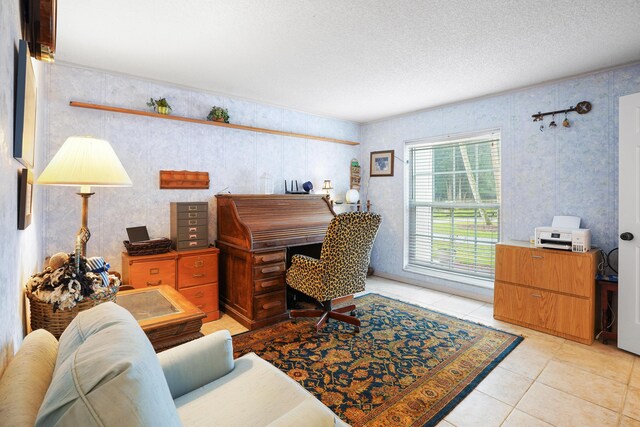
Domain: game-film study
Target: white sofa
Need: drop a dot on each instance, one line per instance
(104, 372)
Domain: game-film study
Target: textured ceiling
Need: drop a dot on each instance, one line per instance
(359, 60)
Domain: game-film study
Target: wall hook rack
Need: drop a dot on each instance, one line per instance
(582, 107)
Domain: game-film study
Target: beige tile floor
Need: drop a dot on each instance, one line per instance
(545, 381)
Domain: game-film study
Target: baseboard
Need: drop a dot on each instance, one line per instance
(459, 289)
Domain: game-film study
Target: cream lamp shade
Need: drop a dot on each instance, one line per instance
(85, 161)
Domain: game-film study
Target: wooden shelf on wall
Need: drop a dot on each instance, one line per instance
(206, 122)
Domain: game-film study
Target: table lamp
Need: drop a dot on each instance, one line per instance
(85, 161)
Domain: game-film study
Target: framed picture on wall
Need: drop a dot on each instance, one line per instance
(381, 163)
(24, 132)
(25, 198)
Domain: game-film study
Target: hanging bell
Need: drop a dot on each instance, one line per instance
(553, 124)
(565, 122)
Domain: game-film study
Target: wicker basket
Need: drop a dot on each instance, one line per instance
(148, 247)
(43, 317)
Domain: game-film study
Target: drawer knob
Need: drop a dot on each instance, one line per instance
(154, 271)
(199, 294)
(193, 221)
(199, 275)
(536, 295)
(193, 229)
(198, 264)
(193, 243)
(193, 215)
(154, 283)
(193, 208)
(273, 304)
(537, 256)
(193, 236)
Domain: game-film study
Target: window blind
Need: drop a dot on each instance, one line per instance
(454, 204)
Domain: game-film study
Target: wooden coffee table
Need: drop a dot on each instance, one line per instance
(167, 317)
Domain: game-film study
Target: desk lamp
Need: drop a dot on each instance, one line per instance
(85, 161)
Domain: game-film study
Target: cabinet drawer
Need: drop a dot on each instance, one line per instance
(195, 235)
(268, 257)
(191, 244)
(152, 273)
(268, 270)
(193, 229)
(268, 285)
(191, 207)
(191, 222)
(197, 270)
(548, 310)
(192, 215)
(268, 305)
(204, 297)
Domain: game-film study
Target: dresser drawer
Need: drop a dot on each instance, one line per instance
(152, 273)
(192, 222)
(268, 257)
(197, 270)
(204, 297)
(268, 270)
(191, 244)
(268, 285)
(268, 305)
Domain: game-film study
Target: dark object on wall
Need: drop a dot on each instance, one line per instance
(381, 163)
(39, 27)
(184, 180)
(24, 129)
(582, 107)
(25, 198)
(137, 234)
(307, 186)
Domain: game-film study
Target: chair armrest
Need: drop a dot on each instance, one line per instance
(197, 363)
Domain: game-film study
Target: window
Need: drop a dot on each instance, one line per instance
(454, 204)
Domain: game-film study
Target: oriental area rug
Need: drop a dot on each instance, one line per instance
(408, 366)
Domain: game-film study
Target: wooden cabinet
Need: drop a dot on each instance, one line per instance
(194, 274)
(544, 289)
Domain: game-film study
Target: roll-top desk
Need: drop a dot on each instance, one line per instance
(254, 235)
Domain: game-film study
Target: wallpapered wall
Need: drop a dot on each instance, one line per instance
(20, 251)
(559, 171)
(235, 159)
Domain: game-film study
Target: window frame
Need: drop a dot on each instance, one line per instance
(449, 275)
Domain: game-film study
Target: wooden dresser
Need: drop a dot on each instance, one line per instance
(545, 289)
(194, 274)
(256, 233)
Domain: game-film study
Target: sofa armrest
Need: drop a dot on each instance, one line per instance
(197, 363)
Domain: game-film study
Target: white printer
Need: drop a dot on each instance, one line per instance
(564, 233)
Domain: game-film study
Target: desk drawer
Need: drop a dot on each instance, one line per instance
(268, 270)
(205, 297)
(152, 273)
(197, 270)
(268, 305)
(268, 257)
(192, 229)
(268, 285)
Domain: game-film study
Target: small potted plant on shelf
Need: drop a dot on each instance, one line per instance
(218, 114)
(160, 105)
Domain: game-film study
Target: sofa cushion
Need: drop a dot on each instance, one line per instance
(107, 374)
(26, 379)
(307, 413)
(254, 393)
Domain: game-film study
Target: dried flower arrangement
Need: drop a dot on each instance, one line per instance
(63, 285)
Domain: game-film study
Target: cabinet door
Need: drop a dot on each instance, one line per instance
(568, 273)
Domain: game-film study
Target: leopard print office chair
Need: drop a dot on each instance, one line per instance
(341, 269)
